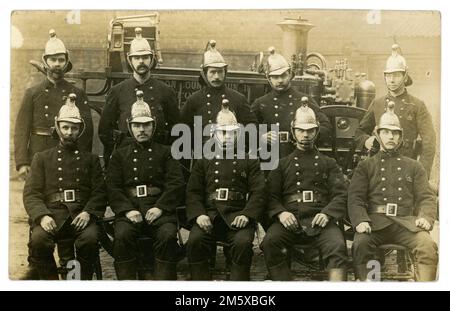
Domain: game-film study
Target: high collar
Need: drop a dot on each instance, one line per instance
(49, 84)
(311, 151)
(67, 147)
(403, 95)
(137, 83)
(143, 145)
(388, 154)
(282, 92)
(215, 90)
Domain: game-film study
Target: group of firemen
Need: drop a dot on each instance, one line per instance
(226, 194)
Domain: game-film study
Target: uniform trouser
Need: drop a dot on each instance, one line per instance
(163, 240)
(422, 246)
(200, 243)
(278, 240)
(42, 245)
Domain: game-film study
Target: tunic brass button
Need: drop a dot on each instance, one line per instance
(276, 115)
(399, 178)
(209, 121)
(290, 95)
(316, 157)
(78, 179)
(59, 169)
(316, 164)
(216, 163)
(150, 149)
(298, 183)
(78, 158)
(134, 160)
(216, 172)
(276, 106)
(290, 104)
(296, 164)
(135, 151)
(275, 98)
(46, 107)
(400, 189)
(59, 151)
(59, 159)
(209, 112)
(60, 189)
(399, 198)
(384, 199)
(60, 178)
(216, 180)
(151, 88)
(208, 104)
(399, 168)
(150, 159)
(383, 169)
(208, 95)
(382, 160)
(223, 95)
(297, 173)
(383, 189)
(46, 115)
(295, 158)
(76, 151)
(85, 102)
(135, 178)
(234, 171)
(135, 169)
(383, 178)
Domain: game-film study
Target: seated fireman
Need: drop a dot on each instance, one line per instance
(390, 201)
(224, 200)
(144, 185)
(64, 194)
(307, 195)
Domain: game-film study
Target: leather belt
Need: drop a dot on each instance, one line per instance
(143, 191)
(306, 196)
(42, 131)
(223, 194)
(390, 209)
(66, 196)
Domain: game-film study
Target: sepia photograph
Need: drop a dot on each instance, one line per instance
(226, 145)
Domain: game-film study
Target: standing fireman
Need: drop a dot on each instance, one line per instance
(63, 196)
(224, 201)
(207, 101)
(415, 119)
(308, 194)
(161, 99)
(145, 185)
(390, 201)
(278, 106)
(41, 104)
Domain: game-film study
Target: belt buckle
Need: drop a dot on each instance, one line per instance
(141, 191)
(69, 195)
(222, 194)
(308, 196)
(283, 136)
(391, 209)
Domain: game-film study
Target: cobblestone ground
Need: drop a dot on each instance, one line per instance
(18, 237)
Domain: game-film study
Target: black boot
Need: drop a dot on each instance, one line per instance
(240, 272)
(280, 272)
(337, 274)
(47, 271)
(361, 272)
(87, 269)
(200, 271)
(425, 273)
(126, 270)
(165, 270)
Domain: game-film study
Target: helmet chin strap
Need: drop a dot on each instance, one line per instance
(403, 81)
(131, 132)
(151, 66)
(202, 73)
(47, 67)
(383, 146)
(273, 87)
(60, 135)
